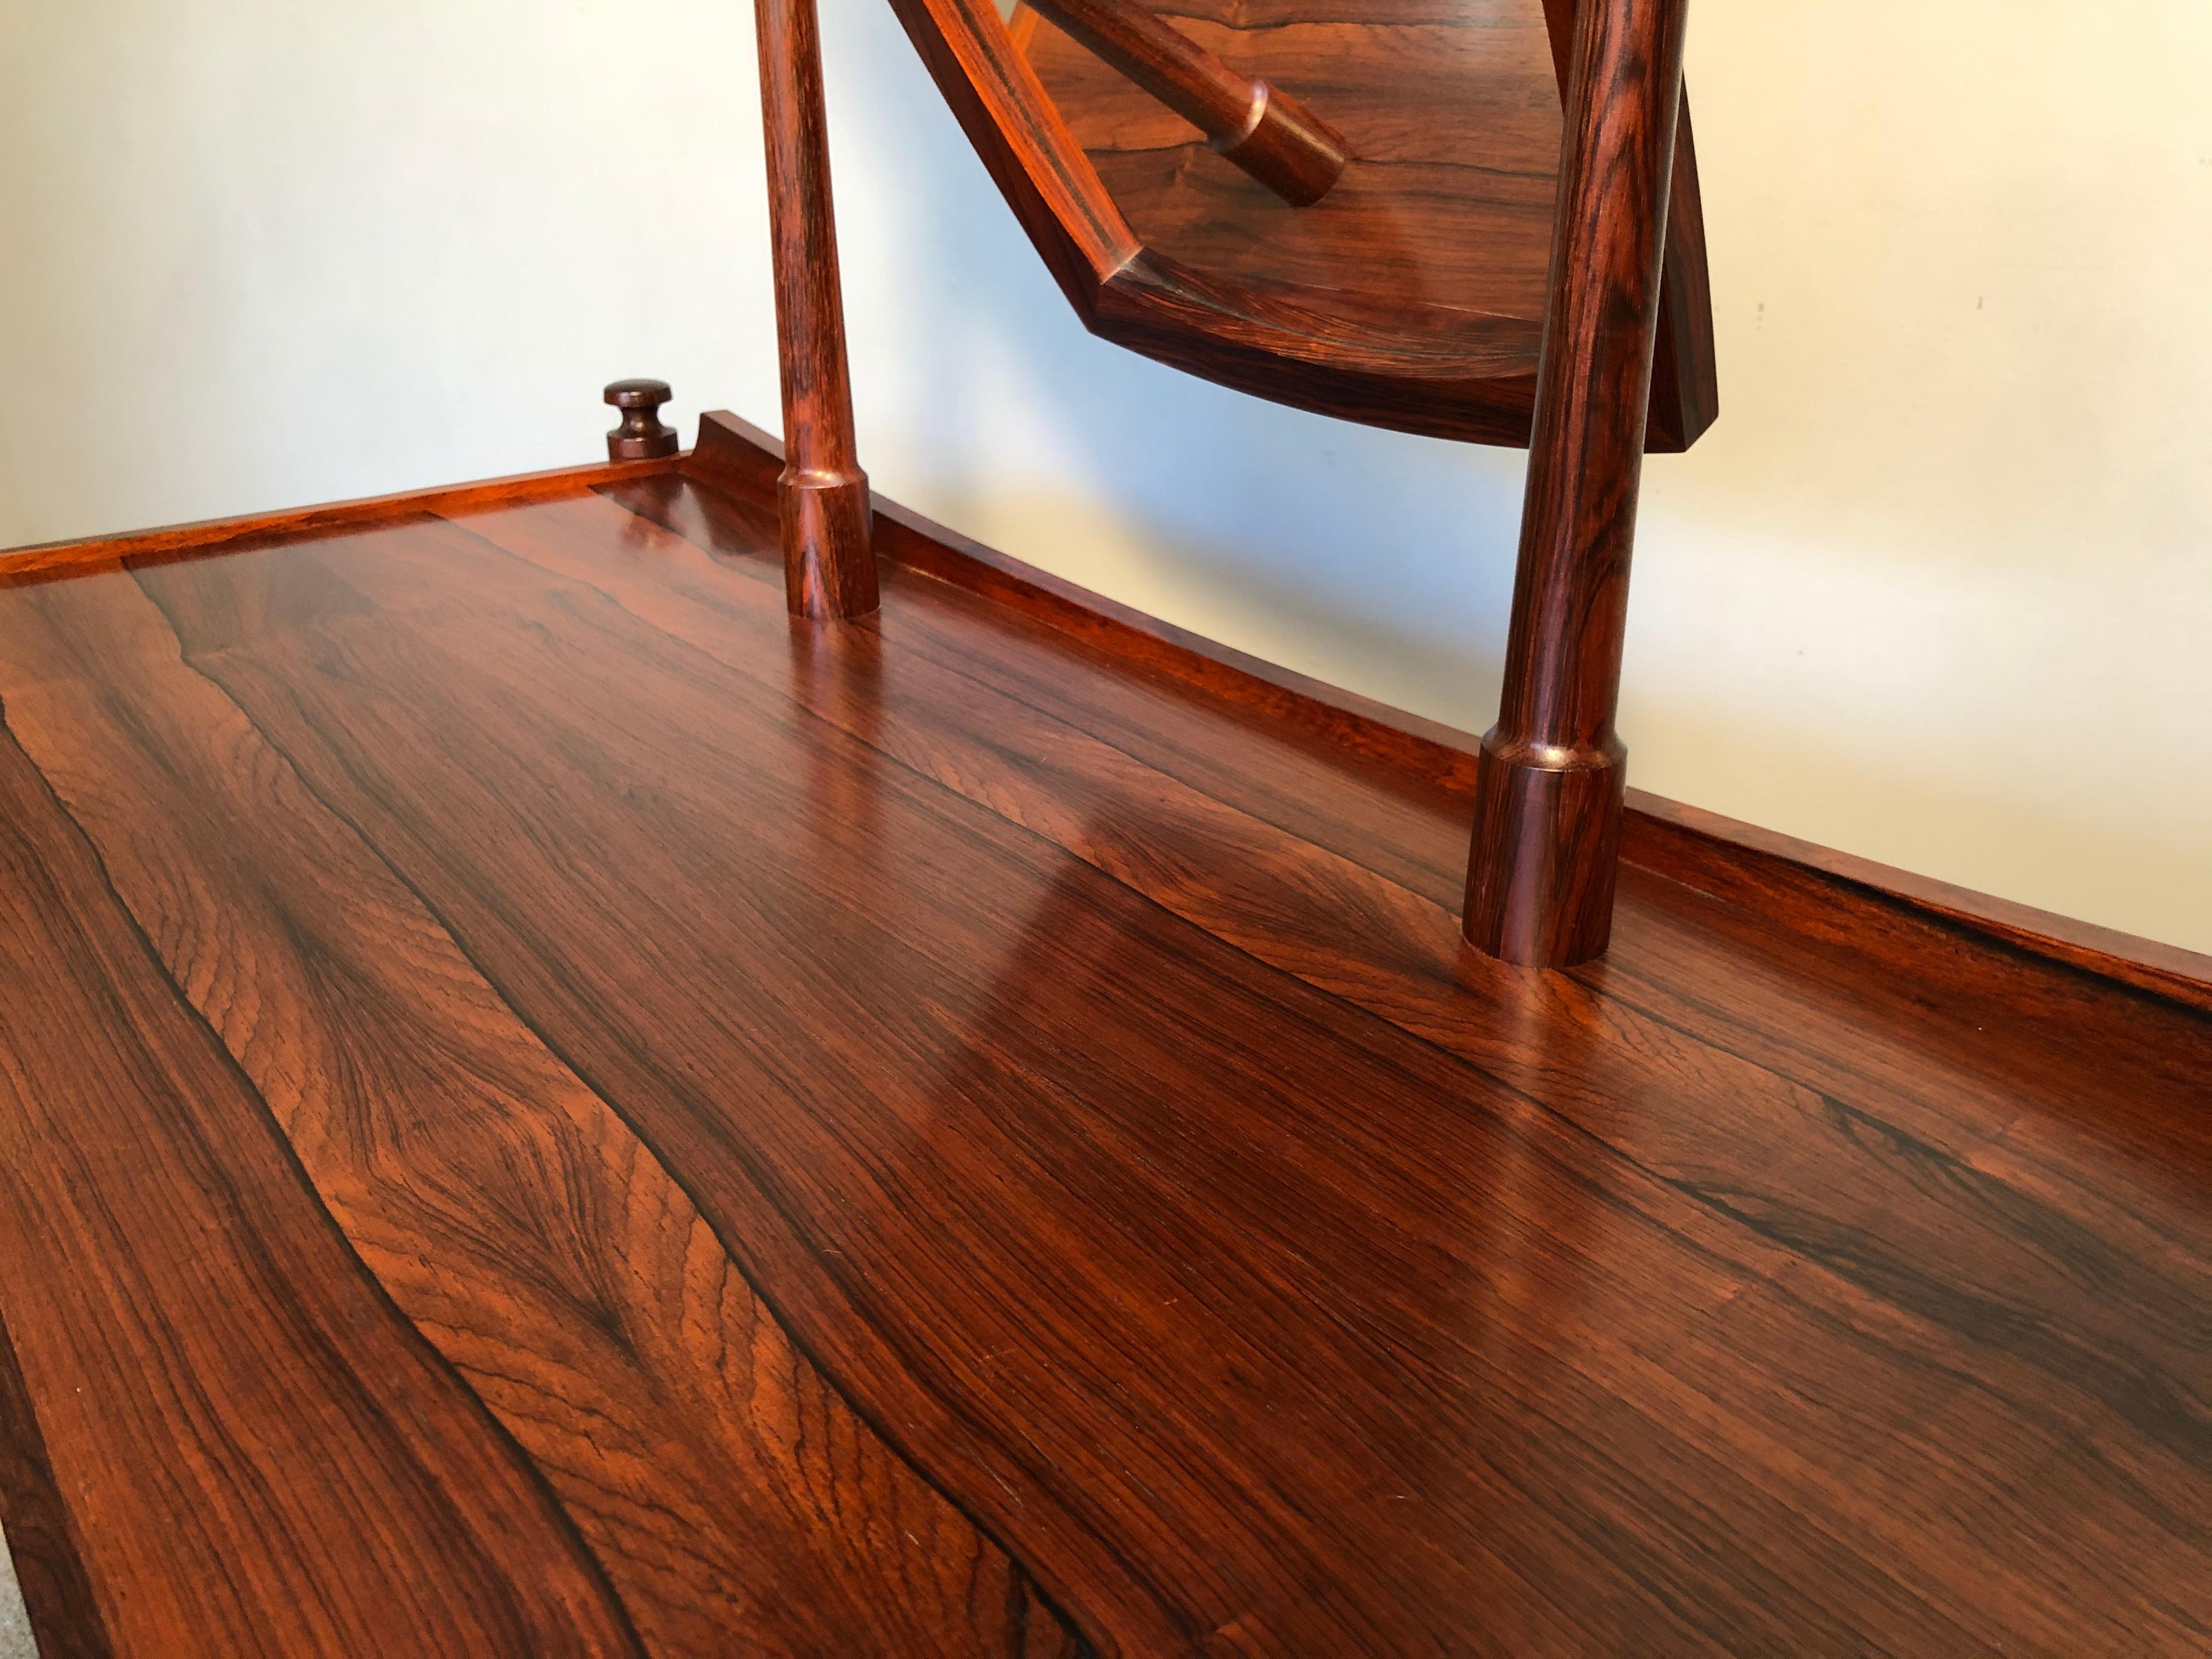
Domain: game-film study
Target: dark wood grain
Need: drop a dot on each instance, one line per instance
(641, 435)
(1082, 1068)
(499, 1202)
(1549, 791)
(738, 461)
(1796, 883)
(1439, 371)
(829, 570)
(1685, 398)
(1023, 141)
(1309, 789)
(987, 1198)
(1684, 378)
(1454, 129)
(258, 1454)
(1428, 256)
(991, 1155)
(2037, 1072)
(1265, 132)
(1350, 309)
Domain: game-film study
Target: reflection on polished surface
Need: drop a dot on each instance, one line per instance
(918, 1136)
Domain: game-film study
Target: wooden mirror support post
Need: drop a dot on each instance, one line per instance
(1550, 781)
(828, 566)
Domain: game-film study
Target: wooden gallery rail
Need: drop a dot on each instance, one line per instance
(1552, 776)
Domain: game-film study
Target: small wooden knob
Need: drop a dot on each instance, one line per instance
(641, 437)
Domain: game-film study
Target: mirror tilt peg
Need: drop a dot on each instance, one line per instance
(641, 436)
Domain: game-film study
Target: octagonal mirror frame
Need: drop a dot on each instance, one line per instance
(1379, 358)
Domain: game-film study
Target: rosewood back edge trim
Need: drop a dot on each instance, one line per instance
(1660, 836)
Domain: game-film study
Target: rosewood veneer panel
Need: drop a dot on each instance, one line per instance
(256, 1453)
(502, 1206)
(924, 1136)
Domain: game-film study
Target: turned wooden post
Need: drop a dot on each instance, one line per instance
(828, 566)
(1262, 129)
(1550, 781)
(641, 436)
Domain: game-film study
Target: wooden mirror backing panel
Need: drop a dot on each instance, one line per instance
(1446, 203)
(1412, 296)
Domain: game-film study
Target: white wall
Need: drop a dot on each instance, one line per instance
(1937, 590)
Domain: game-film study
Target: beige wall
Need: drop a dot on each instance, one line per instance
(15, 1640)
(1938, 590)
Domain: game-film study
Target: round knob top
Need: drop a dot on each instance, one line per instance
(638, 394)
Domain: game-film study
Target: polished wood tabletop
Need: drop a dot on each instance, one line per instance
(548, 1107)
